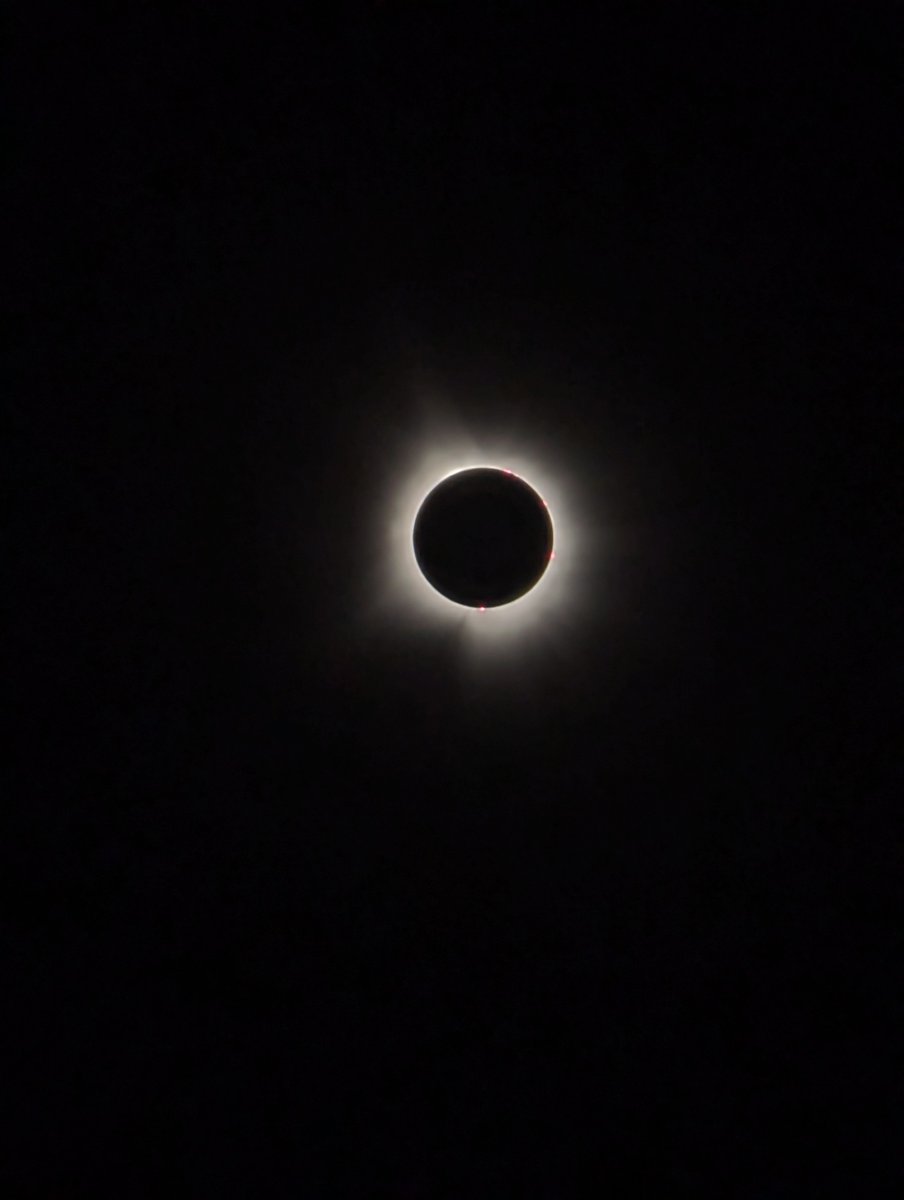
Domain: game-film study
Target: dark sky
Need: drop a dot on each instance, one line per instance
(297, 911)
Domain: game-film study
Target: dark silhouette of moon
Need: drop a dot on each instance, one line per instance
(483, 537)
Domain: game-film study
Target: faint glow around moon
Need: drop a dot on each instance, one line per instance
(404, 598)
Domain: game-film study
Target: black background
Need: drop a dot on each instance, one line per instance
(291, 913)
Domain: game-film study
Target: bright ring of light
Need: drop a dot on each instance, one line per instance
(405, 595)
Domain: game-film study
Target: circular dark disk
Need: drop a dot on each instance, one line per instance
(483, 537)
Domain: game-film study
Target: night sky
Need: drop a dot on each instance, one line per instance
(309, 898)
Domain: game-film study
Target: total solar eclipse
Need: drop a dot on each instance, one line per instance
(483, 537)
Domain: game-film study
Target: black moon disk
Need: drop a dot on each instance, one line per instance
(483, 537)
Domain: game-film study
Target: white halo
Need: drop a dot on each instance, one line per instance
(560, 598)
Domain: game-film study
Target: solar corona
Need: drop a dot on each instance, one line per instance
(486, 536)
